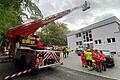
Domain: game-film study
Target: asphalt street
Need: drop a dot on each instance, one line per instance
(54, 73)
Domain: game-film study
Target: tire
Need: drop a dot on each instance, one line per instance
(16, 62)
(22, 59)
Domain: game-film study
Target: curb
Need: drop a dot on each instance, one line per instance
(92, 73)
(99, 75)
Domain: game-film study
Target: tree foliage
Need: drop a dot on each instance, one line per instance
(32, 9)
(54, 33)
(9, 14)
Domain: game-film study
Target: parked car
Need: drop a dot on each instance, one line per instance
(109, 59)
(79, 51)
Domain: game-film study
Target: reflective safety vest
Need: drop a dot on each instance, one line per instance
(88, 55)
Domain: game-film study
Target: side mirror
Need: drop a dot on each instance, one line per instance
(85, 6)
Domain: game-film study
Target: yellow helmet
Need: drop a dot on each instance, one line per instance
(88, 49)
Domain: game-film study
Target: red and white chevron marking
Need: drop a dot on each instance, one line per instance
(5, 60)
(46, 55)
(49, 55)
(55, 56)
(17, 74)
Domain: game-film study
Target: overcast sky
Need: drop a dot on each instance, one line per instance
(100, 10)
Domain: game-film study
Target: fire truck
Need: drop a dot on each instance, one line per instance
(23, 46)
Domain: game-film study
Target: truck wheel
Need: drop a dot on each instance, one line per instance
(22, 60)
(17, 63)
(32, 64)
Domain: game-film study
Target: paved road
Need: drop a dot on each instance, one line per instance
(56, 73)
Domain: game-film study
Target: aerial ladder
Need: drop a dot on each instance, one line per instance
(35, 58)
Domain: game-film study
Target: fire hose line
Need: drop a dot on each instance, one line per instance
(5, 60)
(17, 74)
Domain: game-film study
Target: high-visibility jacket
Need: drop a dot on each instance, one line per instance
(88, 55)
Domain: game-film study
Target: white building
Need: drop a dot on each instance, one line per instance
(103, 35)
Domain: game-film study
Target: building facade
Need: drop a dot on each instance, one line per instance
(103, 35)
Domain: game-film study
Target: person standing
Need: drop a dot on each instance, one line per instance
(67, 51)
(83, 59)
(64, 52)
(98, 62)
(93, 54)
(93, 61)
(89, 59)
(96, 57)
(103, 61)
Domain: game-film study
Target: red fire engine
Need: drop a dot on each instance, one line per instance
(35, 56)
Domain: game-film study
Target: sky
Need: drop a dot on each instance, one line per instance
(100, 10)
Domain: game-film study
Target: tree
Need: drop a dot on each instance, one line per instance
(54, 33)
(12, 11)
(9, 14)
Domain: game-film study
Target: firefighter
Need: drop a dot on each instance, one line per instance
(93, 54)
(103, 61)
(83, 59)
(64, 52)
(89, 59)
(96, 57)
(93, 60)
(99, 62)
(67, 51)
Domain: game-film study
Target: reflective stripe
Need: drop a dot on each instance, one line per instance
(7, 77)
(13, 75)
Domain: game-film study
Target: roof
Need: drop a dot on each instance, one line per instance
(96, 25)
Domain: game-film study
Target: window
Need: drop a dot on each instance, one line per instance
(77, 43)
(79, 34)
(84, 40)
(76, 35)
(89, 31)
(95, 41)
(98, 42)
(84, 37)
(91, 39)
(87, 36)
(110, 40)
(80, 42)
(86, 33)
(113, 39)
(90, 35)
(87, 39)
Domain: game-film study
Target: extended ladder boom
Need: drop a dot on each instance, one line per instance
(27, 29)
